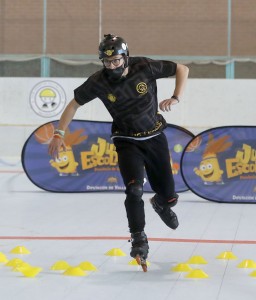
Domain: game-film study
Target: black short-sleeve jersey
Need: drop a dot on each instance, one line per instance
(131, 102)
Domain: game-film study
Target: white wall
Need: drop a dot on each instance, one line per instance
(206, 103)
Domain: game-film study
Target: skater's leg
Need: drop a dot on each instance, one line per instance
(158, 168)
(135, 206)
(131, 166)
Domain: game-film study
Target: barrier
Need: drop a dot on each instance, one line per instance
(89, 163)
(220, 164)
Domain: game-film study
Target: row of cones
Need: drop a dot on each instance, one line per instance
(196, 260)
(81, 270)
(18, 265)
(198, 273)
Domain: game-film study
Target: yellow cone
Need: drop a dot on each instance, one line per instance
(31, 272)
(20, 250)
(87, 266)
(197, 273)
(3, 258)
(197, 260)
(21, 267)
(226, 255)
(247, 263)
(115, 252)
(60, 265)
(253, 274)
(14, 262)
(133, 262)
(181, 268)
(75, 271)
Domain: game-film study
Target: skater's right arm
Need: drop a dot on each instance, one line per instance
(57, 142)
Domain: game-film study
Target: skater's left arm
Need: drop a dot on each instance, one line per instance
(180, 82)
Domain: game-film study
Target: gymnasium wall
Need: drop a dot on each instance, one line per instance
(216, 39)
(163, 27)
(206, 103)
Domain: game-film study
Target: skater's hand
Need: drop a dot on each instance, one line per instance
(166, 104)
(55, 146)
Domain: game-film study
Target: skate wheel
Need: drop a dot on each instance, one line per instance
(142, 262)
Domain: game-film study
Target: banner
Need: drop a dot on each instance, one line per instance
(90, 162)
(220, 164)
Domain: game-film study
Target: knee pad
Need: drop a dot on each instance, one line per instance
(134, 191)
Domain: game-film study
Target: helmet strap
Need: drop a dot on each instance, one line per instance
(126, 61)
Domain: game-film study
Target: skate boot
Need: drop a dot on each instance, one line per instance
(167, 215)
(140, 248)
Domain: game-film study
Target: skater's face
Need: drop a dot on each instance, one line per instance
(113, 62)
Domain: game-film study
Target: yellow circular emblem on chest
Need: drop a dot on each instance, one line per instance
(111, 98)
(142, 88)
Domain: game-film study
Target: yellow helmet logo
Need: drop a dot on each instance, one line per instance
(142, 88)
(109, 52)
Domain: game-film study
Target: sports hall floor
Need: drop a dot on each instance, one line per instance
(77, 228)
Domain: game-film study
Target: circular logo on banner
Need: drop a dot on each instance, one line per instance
(47, 99)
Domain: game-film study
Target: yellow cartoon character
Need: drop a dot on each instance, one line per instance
(66, 163)
(209, 169)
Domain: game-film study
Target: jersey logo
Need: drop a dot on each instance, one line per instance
(111, 98)
(142, 88)
(109, 52)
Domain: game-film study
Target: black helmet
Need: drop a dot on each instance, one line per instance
(112, 45)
